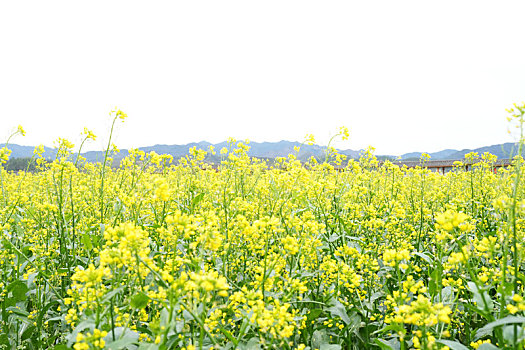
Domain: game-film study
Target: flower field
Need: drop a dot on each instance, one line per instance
(155, 255)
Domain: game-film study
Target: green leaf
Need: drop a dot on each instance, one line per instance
(124, 337)
(89, 323)
(330, 347)
(60, 347)
(383, 344)
(319, 337)
(15, 310)
(488, 346)
(448, 294)
(454, 345)
(28, 332)
(424, 257)
(507, 320)
(146, 346)
(480, 297)
(121, 343)
(435, 277)
(314, 313)
(139, 300)
(4, 339)
(86, 241)
(175, 339)
(333, 238)
(18, 289)
(338, 310)
(509, 332)
(390, 327)
(164, 318)
(187, 316)
(10, 302)
(355, 323)
(394, 343)
(197, 199)
(253, 344)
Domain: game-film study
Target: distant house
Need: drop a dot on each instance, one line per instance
(444, 166)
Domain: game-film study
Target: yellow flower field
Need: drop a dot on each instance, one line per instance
(157, 254)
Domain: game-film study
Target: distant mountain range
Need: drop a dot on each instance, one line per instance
(272, 150)
(502, 151)
(268, 150)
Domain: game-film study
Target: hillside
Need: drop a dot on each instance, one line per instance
(271, 150)
(268, 150)
(502, 151)
(445, 154)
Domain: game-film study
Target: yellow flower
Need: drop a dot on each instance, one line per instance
(343, 130)
(449, 220)
(21, 130)
(121, 115)
(290, 244)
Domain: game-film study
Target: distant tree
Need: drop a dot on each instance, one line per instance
(18, 164)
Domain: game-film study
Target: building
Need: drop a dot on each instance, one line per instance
(444, 166)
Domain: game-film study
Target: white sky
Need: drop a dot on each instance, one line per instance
(401, 75)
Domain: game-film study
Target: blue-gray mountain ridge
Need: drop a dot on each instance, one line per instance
(272, 150)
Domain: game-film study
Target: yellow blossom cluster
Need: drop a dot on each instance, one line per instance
(392, 257)
(421, 312)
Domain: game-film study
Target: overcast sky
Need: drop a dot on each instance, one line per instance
(401, 75)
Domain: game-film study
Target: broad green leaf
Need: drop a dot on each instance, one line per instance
(453, 345)
(10, 302)
(314, 313)
(60, 347)
(253, 344)
(447, 294)
(333, 238)
(139, 300)
(4, 339)
(383, 344)
(391, 344)
(197, 199)
(121, 343)
(187, 316)
(390, 327)
(481, 297)
(28, 332)
(174, 339)
(504, 321)
(146, 346)
(488, 346)
(86, 241)
(339, 310)
(513, 330)
(319, 337)
(355, 322)
(424, 257)
(31, 280)
(17, 311)
(18, 289)
(330, 347)
(90, 324)
(435, 276)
